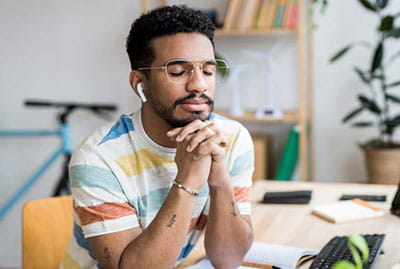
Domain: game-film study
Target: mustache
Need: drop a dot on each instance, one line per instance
(193, 95)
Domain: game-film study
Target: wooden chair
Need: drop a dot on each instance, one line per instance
(46, 230)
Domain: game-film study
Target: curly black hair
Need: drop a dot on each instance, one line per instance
(163, 21)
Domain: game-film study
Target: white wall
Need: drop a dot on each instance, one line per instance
(59, 50)
(74, 51)
(336, 86)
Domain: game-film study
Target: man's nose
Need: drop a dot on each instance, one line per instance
(198, 81)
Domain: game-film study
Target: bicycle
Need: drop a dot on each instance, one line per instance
(65, 148)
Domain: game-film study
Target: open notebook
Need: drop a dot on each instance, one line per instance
(262, 254)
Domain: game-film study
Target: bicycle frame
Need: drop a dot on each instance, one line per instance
(65, 148)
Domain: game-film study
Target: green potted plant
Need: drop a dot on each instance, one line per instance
(379, 99)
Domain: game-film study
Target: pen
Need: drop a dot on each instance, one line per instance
(260, 265)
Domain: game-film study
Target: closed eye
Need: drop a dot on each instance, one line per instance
(208, 73)
(177, 74)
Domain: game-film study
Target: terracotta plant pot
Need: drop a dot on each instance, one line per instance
(383, 165)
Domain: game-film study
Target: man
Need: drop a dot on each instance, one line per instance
(145, 187)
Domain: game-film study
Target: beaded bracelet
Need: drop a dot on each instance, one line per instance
(180, 186)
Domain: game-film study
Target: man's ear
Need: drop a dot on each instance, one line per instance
(136, 81)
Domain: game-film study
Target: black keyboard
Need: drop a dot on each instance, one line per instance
(336, 250)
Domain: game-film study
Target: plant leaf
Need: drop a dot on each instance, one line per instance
(378, 77)
(393, 84)
(369, 104)
(368, 5)
(386, 24)
(363, 124)
(352, 114)
(381, 4)
(362, 76)
(393, 98)
(378, 55)
(339, 54)
(396, 118)
(394, 33)
(343, 265)
(392, 123)
(359, 242)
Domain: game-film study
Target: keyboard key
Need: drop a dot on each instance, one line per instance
(336, 250)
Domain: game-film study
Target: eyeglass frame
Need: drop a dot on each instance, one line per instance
(164, 67)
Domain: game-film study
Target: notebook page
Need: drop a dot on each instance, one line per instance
(285, 257)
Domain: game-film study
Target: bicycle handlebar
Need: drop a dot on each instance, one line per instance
(68, 108)
(42, 103)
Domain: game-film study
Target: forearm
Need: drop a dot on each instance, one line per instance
(228, 235)
(160, 244)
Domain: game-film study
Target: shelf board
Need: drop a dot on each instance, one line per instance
(236, 32)
(289, 116)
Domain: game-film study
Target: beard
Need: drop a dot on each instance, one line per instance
(167, 112)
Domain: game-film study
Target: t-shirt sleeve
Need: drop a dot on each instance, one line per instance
(100, 205)
(241, 168)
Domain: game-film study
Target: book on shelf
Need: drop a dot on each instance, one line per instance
(292, 17)
(287, 13)
(231, 12)
(279, 13)
(345, 211)
(246, 13)
(260, 14)
(273, 4)
(255, 12)
(261, 255)
(261, 22)
(290, 155)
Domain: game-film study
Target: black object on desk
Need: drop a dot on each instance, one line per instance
(395, 209)
(336, 250)
(372, 198)
(287, 197)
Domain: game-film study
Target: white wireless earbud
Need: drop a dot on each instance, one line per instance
(141, 93)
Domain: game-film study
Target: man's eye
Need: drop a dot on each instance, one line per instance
(208, 73)
(176, 70)
(177, 74)
(209, 70)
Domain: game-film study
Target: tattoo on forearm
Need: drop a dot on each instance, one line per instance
(107, 254)
(233, 209)
(171, 221)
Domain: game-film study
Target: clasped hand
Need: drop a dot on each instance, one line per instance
(200, 149)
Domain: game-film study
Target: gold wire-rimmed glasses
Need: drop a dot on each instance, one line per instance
(180, 71)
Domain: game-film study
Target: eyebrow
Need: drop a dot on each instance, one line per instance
(180, 61)
(177, 61)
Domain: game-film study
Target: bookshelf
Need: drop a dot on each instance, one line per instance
(289, 116)
(254, 32)
(302, 116)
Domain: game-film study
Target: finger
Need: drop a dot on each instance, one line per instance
(191, 128)
(174, 132)
(213, 146)
(224, 141)
(210, 129)
(197, 138)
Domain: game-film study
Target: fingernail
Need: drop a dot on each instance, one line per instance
(179, 138)
(188, 148)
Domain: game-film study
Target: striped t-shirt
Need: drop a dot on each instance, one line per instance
(120, 178)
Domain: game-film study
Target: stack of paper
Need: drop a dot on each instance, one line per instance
(344, 211)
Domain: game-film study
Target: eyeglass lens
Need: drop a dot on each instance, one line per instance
(181, 71)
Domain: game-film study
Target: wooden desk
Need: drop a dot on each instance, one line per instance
(294, 225)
